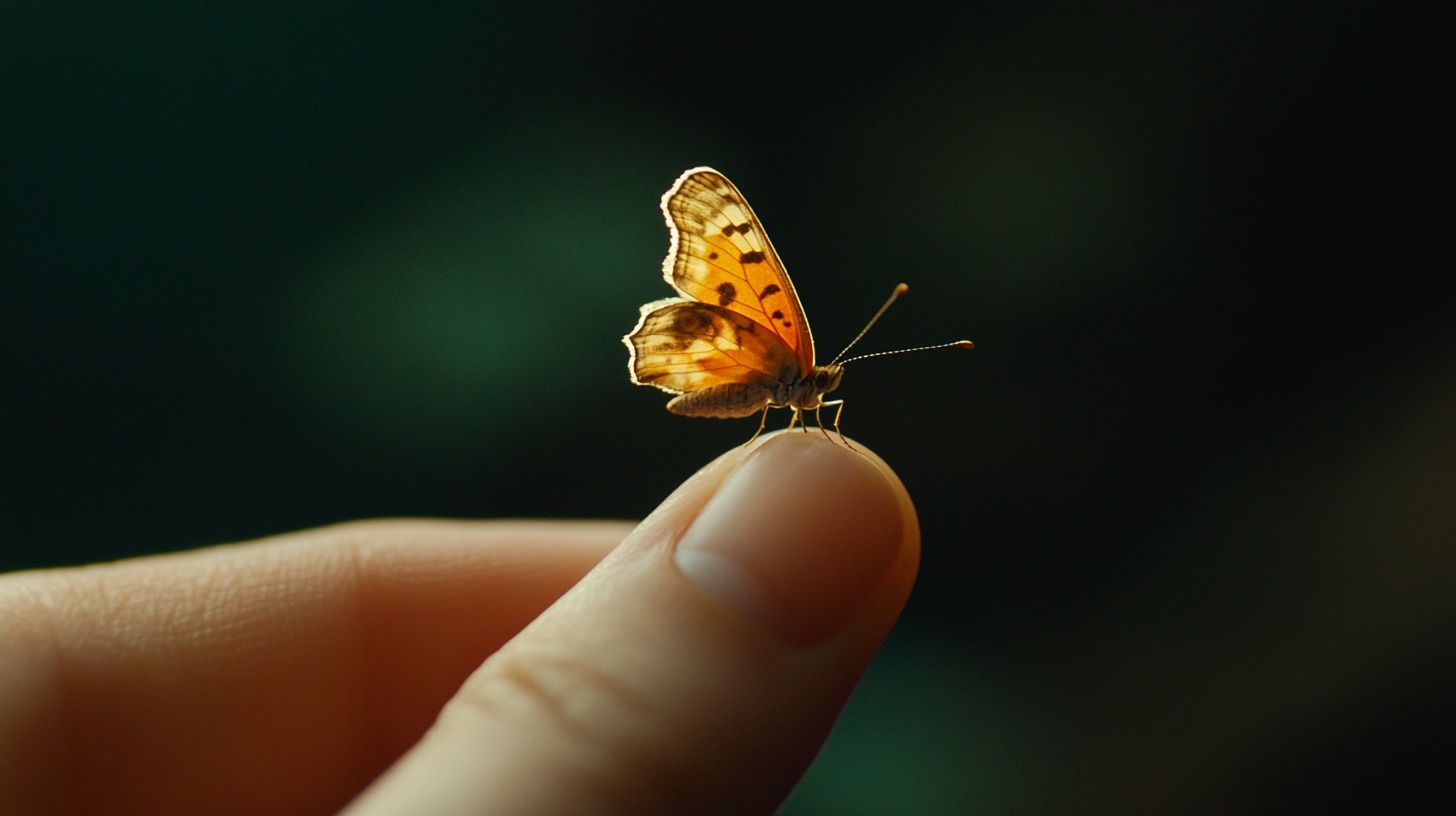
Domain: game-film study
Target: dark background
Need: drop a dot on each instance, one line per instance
(1190, 536)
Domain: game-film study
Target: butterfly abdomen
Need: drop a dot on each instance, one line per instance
(727, 401)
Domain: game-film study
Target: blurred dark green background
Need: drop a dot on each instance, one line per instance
(1189, 508)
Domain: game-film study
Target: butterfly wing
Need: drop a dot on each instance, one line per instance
(721, 256)
(681, 346)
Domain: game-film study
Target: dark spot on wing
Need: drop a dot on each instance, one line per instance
(712, 256)
(687, 321)
(670, 346)
(777, 315)
(751, 257)
(726, 294)
(771, 289)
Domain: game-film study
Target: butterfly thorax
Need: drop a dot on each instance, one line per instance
(808, 392)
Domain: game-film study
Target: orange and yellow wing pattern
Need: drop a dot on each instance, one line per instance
(721, 255)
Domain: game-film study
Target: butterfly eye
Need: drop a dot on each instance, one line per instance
(821, 379)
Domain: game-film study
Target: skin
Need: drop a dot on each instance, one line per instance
(691, 663)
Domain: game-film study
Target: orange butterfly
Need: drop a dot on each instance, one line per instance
(736, 342)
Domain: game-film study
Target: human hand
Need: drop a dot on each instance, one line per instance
(691, 664)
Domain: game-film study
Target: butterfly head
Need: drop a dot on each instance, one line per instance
(808, 394)
(826, 377)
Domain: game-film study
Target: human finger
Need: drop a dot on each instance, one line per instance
(700, 666)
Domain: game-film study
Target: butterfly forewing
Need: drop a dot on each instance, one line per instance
(721, 256)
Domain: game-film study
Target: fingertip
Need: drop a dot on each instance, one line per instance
(799, 535)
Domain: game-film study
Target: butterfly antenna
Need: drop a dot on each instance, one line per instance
(900, 289)
(894, 296)
(957, 344)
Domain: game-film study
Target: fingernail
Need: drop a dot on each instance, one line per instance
(796, 537)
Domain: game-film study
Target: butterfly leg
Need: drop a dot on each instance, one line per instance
(839, 409)
(795, 419)
(819, 420)
(762, 418)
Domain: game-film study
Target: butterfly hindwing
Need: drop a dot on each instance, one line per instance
(683, 346)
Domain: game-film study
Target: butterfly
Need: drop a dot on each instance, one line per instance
(736, 342)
